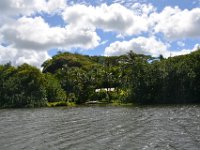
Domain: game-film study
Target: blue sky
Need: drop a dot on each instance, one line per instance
(33, 31)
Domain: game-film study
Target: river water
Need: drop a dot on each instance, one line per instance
(101, 128)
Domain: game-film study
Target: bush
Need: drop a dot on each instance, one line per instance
(24, 87)
(54, 90)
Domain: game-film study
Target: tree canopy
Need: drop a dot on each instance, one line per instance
(71, 77)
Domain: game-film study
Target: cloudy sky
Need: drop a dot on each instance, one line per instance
(31, 31)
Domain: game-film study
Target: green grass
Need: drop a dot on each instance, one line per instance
(71, 104)
(61, 103)
(120, 103)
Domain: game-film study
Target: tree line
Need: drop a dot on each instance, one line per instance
(166, 81)
(73, 78)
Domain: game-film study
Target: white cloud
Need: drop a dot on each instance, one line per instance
(103, 42)
(18, 57)
(147, 46)
(173, 22)
(185, 51)
(26, 7)
(29, 39)
(140, 45)
(120, 36)
(180, 44)
(176, 23)
(143, 9)
(54, 5)
(34, 33)
(113, 17)
(128, 3)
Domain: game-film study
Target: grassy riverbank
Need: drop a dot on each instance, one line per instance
(61, 103)
(72, 104)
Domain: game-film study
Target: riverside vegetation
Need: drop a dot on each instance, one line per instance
(69, 79)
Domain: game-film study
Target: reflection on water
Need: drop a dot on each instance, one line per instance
(101, 128)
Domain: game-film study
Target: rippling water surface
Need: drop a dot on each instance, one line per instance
(101, 128)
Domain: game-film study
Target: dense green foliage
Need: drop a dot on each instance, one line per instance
(172, 80)
(54, 91)
(80, 75)
(73, 78)
(21, 87)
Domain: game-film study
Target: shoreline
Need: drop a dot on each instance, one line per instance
(102, 104)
